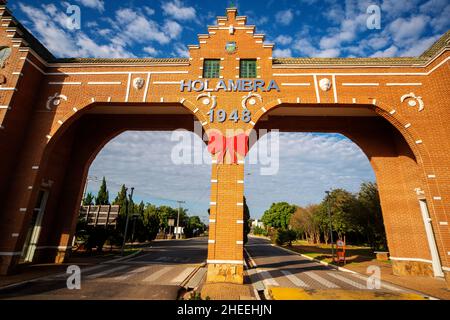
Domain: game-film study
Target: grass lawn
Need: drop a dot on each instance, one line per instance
(353, 254)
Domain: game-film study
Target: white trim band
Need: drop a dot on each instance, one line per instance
(361, 84)
(211, 241)
(225, 261)
(239, 242)
(411, 259)
(212, 220)
(240, 221)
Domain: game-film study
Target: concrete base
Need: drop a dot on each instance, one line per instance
(412, 268)
(227, 291)
(229, 273)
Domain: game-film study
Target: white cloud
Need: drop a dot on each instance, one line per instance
(282, 53)
(284, 17)
(151, 51)
(419, 47)
(49, 25)
(407, 30)
(173, 28)
(94, 4)
(389, 52)
(180, 50)
(177, 10)
(283, 40)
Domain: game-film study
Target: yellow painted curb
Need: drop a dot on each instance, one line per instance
(277, 293)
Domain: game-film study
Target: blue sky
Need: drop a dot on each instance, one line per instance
(309, 163)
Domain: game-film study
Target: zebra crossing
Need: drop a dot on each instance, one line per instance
(323, 279)
(150, 274)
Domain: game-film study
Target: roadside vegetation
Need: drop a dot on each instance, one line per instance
(146, 222)
(353, 217)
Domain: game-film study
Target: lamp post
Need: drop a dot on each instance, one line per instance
(178, 218)
(331, 227)
(128, 217)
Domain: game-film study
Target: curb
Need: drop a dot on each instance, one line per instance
(354, 272)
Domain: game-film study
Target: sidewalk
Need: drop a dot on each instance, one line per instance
(434, 287)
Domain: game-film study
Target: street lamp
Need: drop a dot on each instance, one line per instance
(128, 217)
(178, 218)
(331, 227)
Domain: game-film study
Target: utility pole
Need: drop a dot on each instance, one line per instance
(178, 218)
(128, 217)
(331, 227)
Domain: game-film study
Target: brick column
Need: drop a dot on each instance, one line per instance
(225, 244)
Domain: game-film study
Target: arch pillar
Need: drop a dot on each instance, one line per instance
(226, 224)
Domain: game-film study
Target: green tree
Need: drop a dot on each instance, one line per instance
(103, 194)
(247, 222)
(306, 221)
(194, 226)
(371, 217)
(120, 200)
(278, 215)
(88, 199)
(344, 210)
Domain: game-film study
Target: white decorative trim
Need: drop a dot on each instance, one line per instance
(60, 122)
(8, 89)
(374, 101)
(23, 209)
(316, 87)
(264, 109)
(161, 99)
(431, 176)
(225, 261)
(279, 101)
(252, 123)
(65, 83)
(94, 83)
(240, 204)
(211, 241)
(74, 109)
(30, 187)
(354, 100)
(296, 84)
(35, 167)
(407, 125)
(298, 100)
(92, 99)
(419, 141)
(333, 78)
(182, 100)
(243, 161)
(195, 110)
(127, 95)
(5, 107)
(212, 220)
(213, 181)
(411, 259)
(147, 84)
(445, 268)
(212, 203)
(14, 235)
(437, 198)
(393, 111)
(167, 82)
(48, 137)
(5, 253)
(414, 100)
(443, 223)
(204, 123)
(239, 242)
(240, 181)
(240, 221)
(391, 84)
(360, 84)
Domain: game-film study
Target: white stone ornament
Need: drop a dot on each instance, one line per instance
(413, 100)
(55, 100)
(208, 99)
(325, 84)
(138, 83)
(251, 99)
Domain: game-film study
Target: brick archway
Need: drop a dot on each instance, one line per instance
(43, 95)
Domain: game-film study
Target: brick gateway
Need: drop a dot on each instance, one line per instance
(56, 114)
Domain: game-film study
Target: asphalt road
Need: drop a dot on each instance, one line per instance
(156, 273)
(277, 267)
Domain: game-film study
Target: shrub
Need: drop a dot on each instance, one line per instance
(283, 236)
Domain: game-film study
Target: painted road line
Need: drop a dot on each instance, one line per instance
(321, 280)
(383, 285)
(347, 281)
(183, 275)
(267, 279)
(132, 273)
(294, 279)
(158, 274)
(106, 272)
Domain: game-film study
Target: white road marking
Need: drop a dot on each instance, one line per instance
(294, 279)
(156, 275)
(321, 280)
(106, 272)
(183, 275)
(267, 279)
(384, 285)
(131, 273)
(347, 281)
